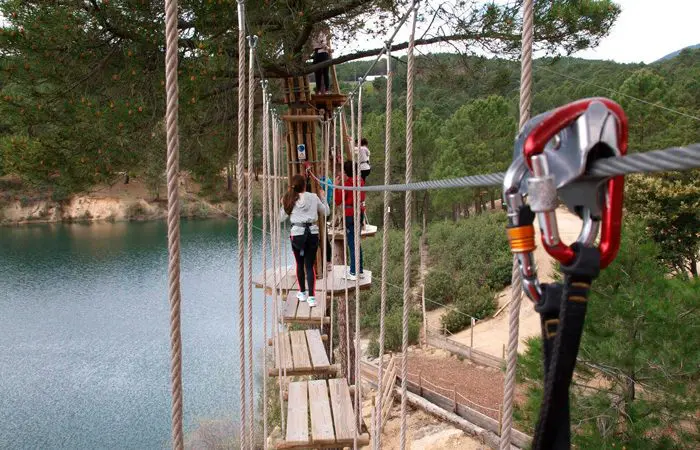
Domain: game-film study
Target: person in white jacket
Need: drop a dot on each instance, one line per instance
(302, 208)
(363, 159)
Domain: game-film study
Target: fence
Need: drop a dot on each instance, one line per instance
(450, 400)
(443, 341)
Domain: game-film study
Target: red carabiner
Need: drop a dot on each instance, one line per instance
(612, 209)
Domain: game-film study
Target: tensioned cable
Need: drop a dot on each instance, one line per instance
(670, 159)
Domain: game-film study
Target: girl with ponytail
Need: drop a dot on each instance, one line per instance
(302, 208)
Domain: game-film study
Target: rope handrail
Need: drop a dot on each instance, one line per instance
(654, 161)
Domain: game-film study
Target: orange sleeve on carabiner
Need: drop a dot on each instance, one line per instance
(522, 239)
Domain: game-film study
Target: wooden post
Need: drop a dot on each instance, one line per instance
(471, 339)
(420, 382)
(454, 398)
(504, 352)
(425, 318)
(500, 419)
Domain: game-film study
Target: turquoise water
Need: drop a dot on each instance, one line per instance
(84, 333)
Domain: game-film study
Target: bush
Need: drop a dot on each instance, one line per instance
(471, 301)
(393, 336)
(135, 210)
(440, 287)
(373, 348)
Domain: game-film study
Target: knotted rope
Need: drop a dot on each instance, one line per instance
(173, 170)
(385, 250)
(407, 228)
(516, 282)
(241, 215)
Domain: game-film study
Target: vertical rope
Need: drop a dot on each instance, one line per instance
(385, 248)
(356, 224)
(516, 282)
(345, 265)
(241, 215)
(173, 170)
(277, 262)
(266, 216)
(252, 43)
(335, 141)
(407, 227)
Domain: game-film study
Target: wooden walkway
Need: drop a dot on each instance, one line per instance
(294, 311)
(287, 280)
(303, 353)
(329, 406)
(339, 234)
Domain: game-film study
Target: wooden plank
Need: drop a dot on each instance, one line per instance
(321, 418)
(298, 414)
(303, 310)
(343, 415)
(290, 307)
(319, 358)
(302, 118)
(285, 352)
(300, 351)
(319, 310)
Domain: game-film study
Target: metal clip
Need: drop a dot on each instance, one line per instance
(552, 155)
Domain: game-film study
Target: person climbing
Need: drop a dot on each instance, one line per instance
(345, 198)
(327, 185)
(363, 159)
(365, 169)
(322, 52)
(302, 209)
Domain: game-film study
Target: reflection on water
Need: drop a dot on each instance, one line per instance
(84, 346)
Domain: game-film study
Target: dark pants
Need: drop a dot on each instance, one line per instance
(350, 230)
(364, 174)
(323, 76)
(305, 261)
(329, 250)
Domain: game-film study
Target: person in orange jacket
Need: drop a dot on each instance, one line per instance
(345, 198)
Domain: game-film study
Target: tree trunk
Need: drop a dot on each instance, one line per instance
(229, 179)
(455, 212)
(492, 192)
(348, 370)
(693, 266)
(257, 172)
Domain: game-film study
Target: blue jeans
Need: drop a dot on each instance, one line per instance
(350, 227)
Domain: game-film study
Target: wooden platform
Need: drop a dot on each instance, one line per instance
(338, 233)
(303, 353)
(287, 280)
(329, 406)
(294, 311)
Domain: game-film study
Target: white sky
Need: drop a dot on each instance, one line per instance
(645, 31)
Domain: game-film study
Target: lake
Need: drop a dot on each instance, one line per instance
(84, 332)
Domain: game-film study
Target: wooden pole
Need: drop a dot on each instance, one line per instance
(454, 398)
(471, 339)
(425, 318)
(420, 382)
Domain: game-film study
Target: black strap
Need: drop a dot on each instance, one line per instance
(562, 311)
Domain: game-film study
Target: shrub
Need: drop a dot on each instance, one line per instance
(440, 287)
(471, 301)
(135, 210)
(393, 336)
(373, 348)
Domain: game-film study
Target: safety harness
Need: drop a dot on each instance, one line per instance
(568, 140)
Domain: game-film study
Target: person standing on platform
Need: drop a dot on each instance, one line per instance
(363, 159)
(345, 198)
(321, 43)
(302, 208)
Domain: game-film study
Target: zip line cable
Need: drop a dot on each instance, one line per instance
(670, 159)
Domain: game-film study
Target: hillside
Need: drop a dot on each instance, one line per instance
(677, 52)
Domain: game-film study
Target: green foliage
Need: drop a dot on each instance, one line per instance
(472, 301)
(394, 330)
(669, 204)
(439, 284)
(639, 351)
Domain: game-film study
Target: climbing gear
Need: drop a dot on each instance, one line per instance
(568, 140)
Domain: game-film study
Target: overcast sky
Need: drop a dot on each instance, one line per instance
(645, 31)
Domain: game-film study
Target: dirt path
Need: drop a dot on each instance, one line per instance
(491, 335)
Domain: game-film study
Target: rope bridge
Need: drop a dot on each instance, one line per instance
(326, 412)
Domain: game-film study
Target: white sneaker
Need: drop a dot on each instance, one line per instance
(312, 301)
(350, 277)
(301, 296)
(362, 275)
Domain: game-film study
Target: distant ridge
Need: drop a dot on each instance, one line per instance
(677, 52)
